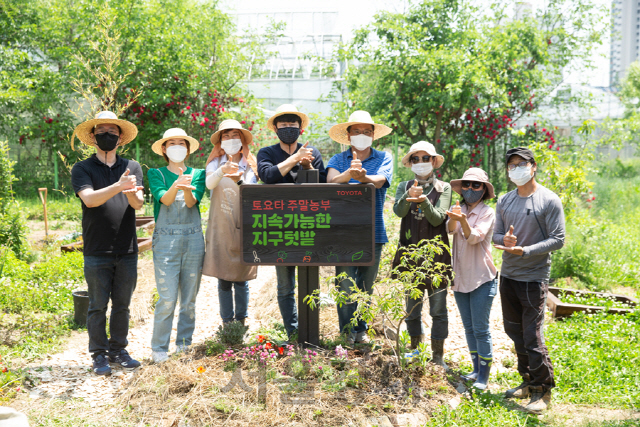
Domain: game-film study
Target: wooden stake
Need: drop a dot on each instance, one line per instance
(44, 204)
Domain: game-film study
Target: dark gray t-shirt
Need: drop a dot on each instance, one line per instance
(538, 224)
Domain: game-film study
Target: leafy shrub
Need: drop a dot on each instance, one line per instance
(12, 227)
(231, 333)
(46, 287)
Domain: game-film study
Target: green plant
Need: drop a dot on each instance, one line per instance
(592, 300)
(595, 358)
(214, 348)
(13, 230)
(231, 333)
(388, 297)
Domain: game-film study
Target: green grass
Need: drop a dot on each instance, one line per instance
(59, 208)
(596, 359)
(603, 242)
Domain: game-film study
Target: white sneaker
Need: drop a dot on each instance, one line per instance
(362, 338)
(159, 356)
(182, 348)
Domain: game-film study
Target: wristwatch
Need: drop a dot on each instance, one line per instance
(240, 182)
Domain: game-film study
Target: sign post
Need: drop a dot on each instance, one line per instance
(308, 226)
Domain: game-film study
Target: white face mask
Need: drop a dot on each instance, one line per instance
(520, 176)
(176, 153)
(361, 142)
(422, 169)
(232, 146)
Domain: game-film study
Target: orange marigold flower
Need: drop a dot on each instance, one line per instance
(260, 338)
(201, 369)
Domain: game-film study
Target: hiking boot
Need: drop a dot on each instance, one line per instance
(522, 391)
(159, 356)
(437, 347)
(101, 365)
(351, 339)
(540, 400)
(415, 341)
(362, 338)
(123, 359)
(473, 375)
(483, 373)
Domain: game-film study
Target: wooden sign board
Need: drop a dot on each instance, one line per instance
(308, 225)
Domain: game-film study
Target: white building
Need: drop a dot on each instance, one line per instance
(312, 30)
(625, 37)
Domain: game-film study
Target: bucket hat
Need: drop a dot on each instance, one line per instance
(423, 146)
(473, 174)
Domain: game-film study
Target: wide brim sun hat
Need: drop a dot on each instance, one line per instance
(175, 133)
(288, 109)
(423, 146)
(128, 131)
(231, 124)
(473, 174)
(339, 132)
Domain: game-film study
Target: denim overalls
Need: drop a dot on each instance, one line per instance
(178, 253)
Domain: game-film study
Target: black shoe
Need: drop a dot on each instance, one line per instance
(101, 365)
(123, 359)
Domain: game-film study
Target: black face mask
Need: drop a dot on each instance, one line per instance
(107, 141)
(288, 135)
(472, 196)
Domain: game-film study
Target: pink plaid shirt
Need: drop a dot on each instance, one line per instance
(472, 261)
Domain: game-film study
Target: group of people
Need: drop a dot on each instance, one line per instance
(527, 225)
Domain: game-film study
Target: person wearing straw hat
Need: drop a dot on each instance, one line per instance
(229, 165)
(110, 188)
(361, 163)
(422, 204)
(529, 226)
(475, 276)
(279, 164)
(178, 243)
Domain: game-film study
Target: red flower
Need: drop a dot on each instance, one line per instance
(268, 345)
(260, 338)
(4, 369)
(281, 350)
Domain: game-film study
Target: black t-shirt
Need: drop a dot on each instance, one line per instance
(109, 229)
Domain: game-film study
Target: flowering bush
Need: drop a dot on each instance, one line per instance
(259, 355)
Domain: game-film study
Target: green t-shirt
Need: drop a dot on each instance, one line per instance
(160, 180)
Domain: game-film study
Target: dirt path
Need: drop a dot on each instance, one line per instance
(68, 374)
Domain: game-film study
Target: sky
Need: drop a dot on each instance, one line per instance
(356, 13)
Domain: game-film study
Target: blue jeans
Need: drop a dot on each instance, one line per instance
(475, 310)
(364, 277)
(437, 311)
(115, 277)
(287, 297)
(177, 260)
(226, 298)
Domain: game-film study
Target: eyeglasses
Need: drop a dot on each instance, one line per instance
(522, 165)
(473, 184)
(416, 159)
(361, 132)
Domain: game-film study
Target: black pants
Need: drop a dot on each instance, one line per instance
(109, 277)
(523, 314)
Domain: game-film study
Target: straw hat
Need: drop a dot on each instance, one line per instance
(288, 109)
(128, 130)
(175, 133)
(473, 174)
(422, 146)
(339, 132)
(231, 124)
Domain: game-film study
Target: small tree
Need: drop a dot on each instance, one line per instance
(389, 295)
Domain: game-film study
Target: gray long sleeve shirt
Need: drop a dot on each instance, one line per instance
(538, 224)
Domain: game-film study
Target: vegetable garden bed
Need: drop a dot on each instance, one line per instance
(564, 302)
